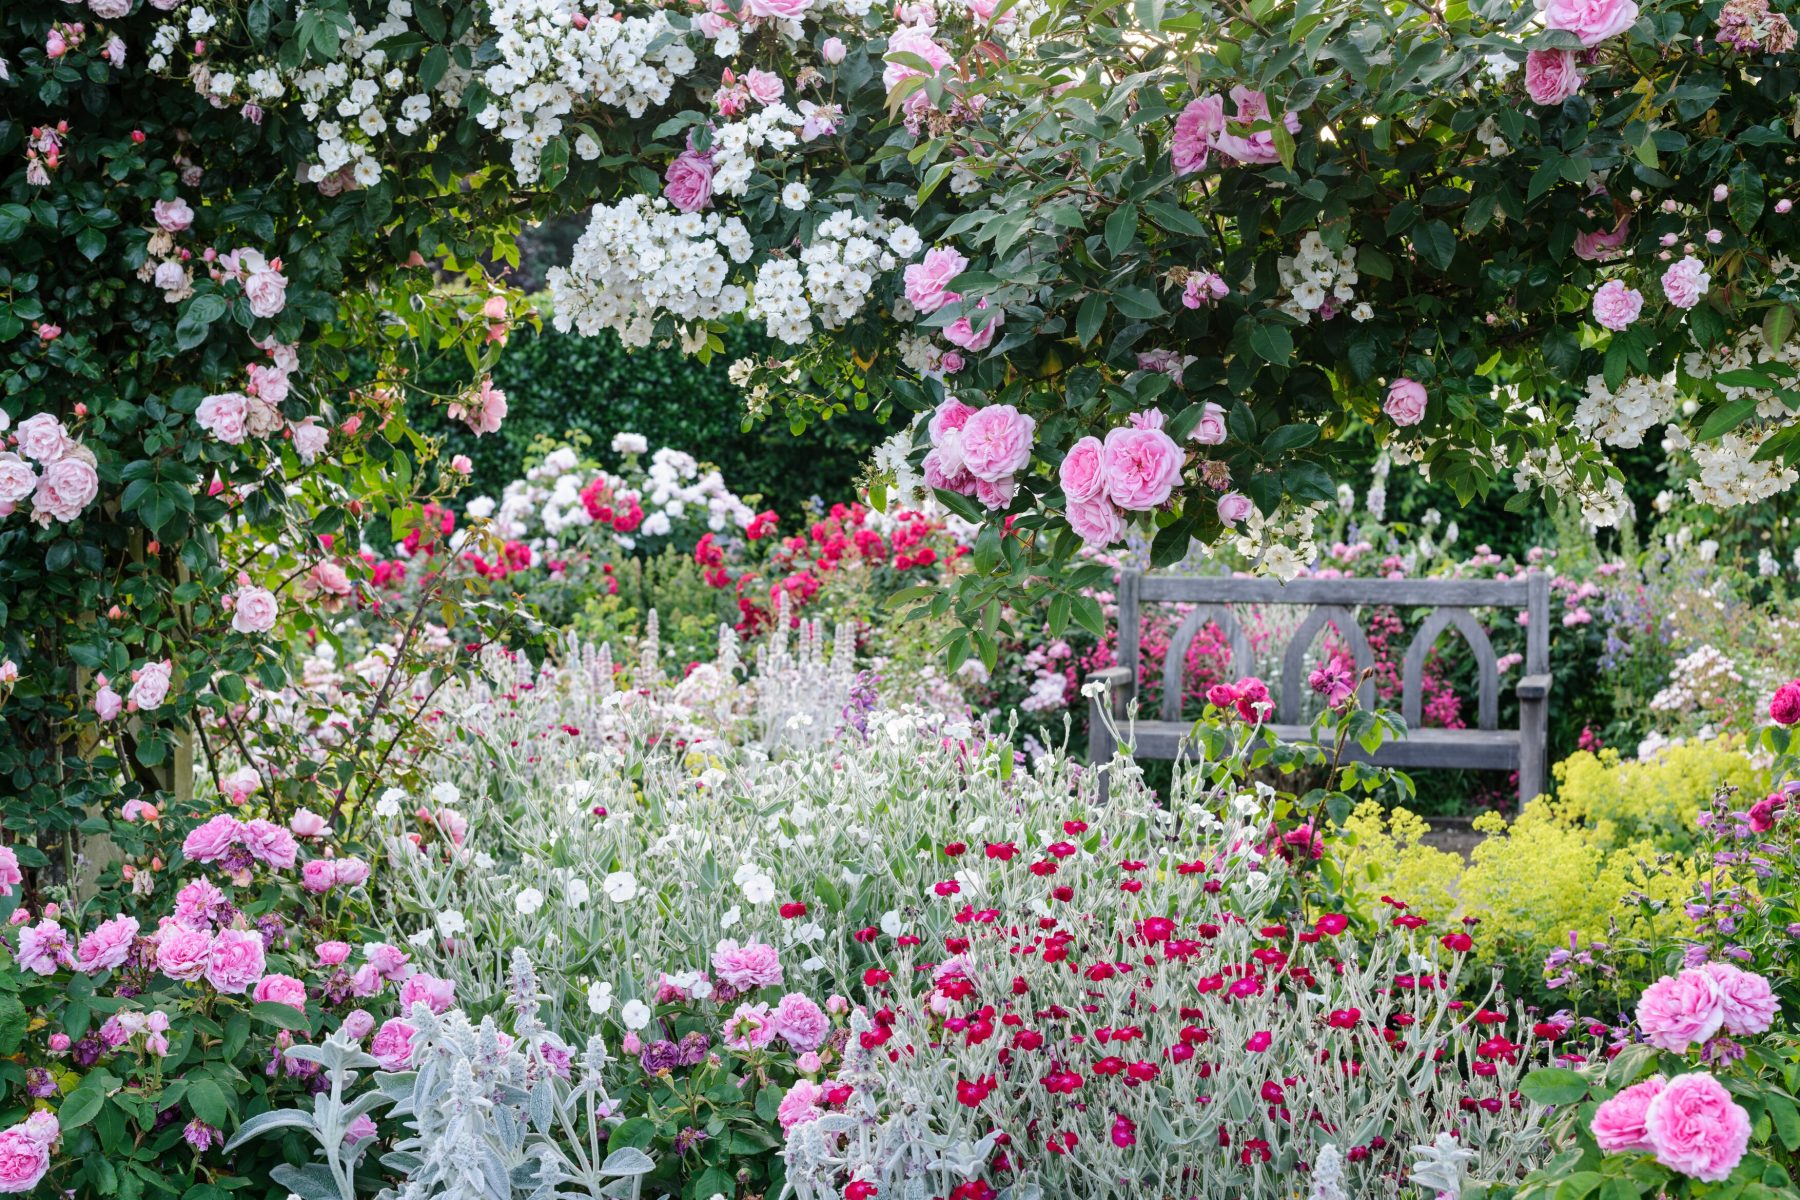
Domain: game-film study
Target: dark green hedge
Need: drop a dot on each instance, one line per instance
(556, 383)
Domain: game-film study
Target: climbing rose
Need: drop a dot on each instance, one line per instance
(1096, 522)
(1199, 123)
(1142, 467)
(928, 280)
(1081, 474)
(1685, 283)
(1406, 400)
(996, 442)
(253, 610)
(1592, 21)
(688, 182)
(1617, 306)
(1551, 76)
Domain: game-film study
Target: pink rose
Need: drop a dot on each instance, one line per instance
(358, 1023)
(108, 946)
(1211, 429)
(785, 10)
(351, 872)
(392, 1046)
(280, 989)
(318, 876)
(996, 442)
(765, 87)
(1618, 1123)
(481, 408)
(43, 948)
(182, 951)
(270, 844)
(236, 961)
(1234, 507)
(150, 685)
(310, 439)
(17, 479)
(461, 464)
(1676, 1012)
(225, 416)
(390, 961)
(1202, 121)
(42, 437)
(915, 40)
(1603, 244)
(747, 967)
(750, 1027)
(687, 184)
(308, 824)
(1406, 401)
(962, 331)
(800, 1022)
(1685, 282)
(1696, 1128)
(332, 954)
(1083, 479)
(253, 610)
(107, 703)
(65, 489)
(1142, 466)
(1551, 76)
(949, 416)
(1617, 306)
(1592, 21)
(996, 494)
(1784, 705)
(212, 840)
(434, 993)
(10, 874)
(1203, 288)
(833, 50)
(944, 471)
(172, 216)
(1746, 1002)
(331, 579)
(24, 1159)
(1096, 522)
(927, 282)
(266, 289)
(801, 1104)
(1258, 147)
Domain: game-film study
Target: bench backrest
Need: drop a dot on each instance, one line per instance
(1333, 601)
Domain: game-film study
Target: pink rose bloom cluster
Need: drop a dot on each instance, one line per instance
(1685, 282)
(231, 960)
(152, 1026)
(916, 40)
(926, 285)
(1690, 1123)
(481, 408)
(11, 876)
(1249, 696)
(1134, 469)
(1603, 244)
(263, 841)
(25, 1152)
(63, 483)
(978, 451)
(1617, 306)
(1592, 21)
(1203, 289)
(1683, 1010)
(265, 287)
(804, 1102)
(1551, 76)
(747, 967)
(1202, 128)
(320, 875)
(108, 946)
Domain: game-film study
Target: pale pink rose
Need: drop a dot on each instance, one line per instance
(392, 1046)
(241, 784)
(962, 331)
(171, 276)
(390, 961)
(945, 472)
(213, 840)
(1747, 1004)
(996, 442)
(1234, 507)
(454, 825)
(150, 685)
(253, 610)
(24, 1159)
(17, 479)
(1211, 429)
(10, 874)
(367, 981)
(800, 1022)
(687, 184)
(787, 10)
(833, 50)
(434, 993)
(224, 415)
(236, 961)
(280, 989)
(1203, 288)
(1603, 244)
(461, 464)
(197, 902)
(360, 1129)
(262, 418)
(310, 438)
(270, 844)
(1082, 477)
(1199, 124)
(109, 10)
(1257, 147)
(1551, 76)
(1685, 282)
(802, 1103)
(65, 489)
(182, 951)
(108, 946)
(927, 282)
(1618, 1123)
(43, 1127)
(42, 437)
(916, 40)
(1617, 306)
(318, 876)
(1674, 1013)
(765, 87)
(481, 409)
(267, 383)
(331, 579)
(1696, 1128)
(1592, 21)
(351, 872)
(358, 1022)
(267, 292)
(43, 948)
(996, 494)
(1096, 522)
(114, 50)
(1406, 401)
(107, 703)
(750, 1027)
(332, 954)
(951, 415)
(1142, 466)
(308, 824)
(172, 216)
(747, 967)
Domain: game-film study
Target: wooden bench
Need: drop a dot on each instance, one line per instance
(1333, 602)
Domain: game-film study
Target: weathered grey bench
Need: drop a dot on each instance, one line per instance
(1333, 602)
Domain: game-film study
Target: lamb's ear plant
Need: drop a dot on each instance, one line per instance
(329, 1123)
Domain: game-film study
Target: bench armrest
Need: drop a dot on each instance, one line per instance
(1534, 687)
(1117, 679)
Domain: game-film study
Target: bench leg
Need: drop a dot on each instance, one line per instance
(1534, 729)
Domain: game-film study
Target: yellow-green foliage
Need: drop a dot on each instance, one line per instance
(1389, 859)
(1625, 801)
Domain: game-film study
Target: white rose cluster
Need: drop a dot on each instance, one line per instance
(640, 259)
(833, 277)
(1320, 280)
(1729, 475)
(1750, 351)
(773, 127)
(1622, 418)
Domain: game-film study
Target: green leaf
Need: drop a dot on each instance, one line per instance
(207, 1100)
(1272, 342)
(1138, 302)
(14, 219)
(1288, 438)
(1121, 228)
(1090, 317)
(1727, 417)
(282, 1016)
(1554, 1085)
(82, 1106)
(1745, 202)
(1435, 242)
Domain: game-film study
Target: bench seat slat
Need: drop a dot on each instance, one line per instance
(1472, 749)
(1403, 593)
